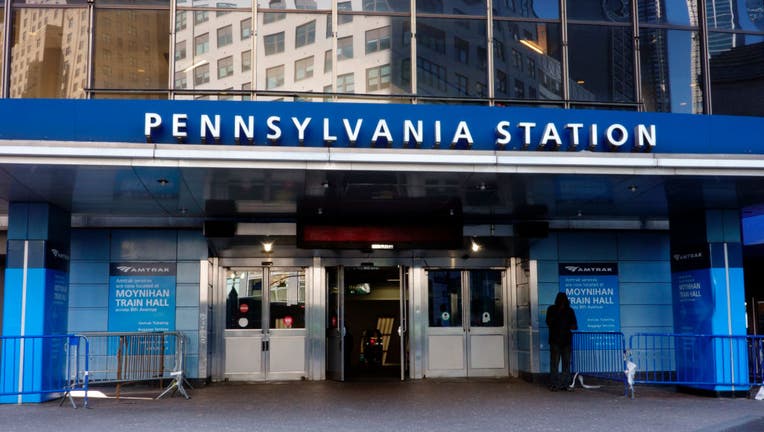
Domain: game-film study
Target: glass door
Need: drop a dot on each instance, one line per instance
(467, 331)
(335, 324)
(403, 327)
(265, 324)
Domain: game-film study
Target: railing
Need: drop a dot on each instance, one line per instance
(128, 357)
(600, 355)
(39, 368)
(718, 363)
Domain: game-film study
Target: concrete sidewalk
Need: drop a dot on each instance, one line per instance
(423, 405)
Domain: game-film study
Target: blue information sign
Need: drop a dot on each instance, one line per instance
(592, 289)
(142, 297)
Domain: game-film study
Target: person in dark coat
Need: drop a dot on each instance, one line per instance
(561, 320)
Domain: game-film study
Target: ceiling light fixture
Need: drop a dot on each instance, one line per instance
(475, 246)
(267, 247)
(633, 188)
(163, 181)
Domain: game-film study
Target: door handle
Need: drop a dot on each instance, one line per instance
(265, 345)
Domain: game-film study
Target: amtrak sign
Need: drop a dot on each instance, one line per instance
(402, 127)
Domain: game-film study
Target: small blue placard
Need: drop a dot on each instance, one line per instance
(592, 289)
(142, 297)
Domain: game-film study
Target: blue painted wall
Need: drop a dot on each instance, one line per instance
(644, 276)
(93, 250)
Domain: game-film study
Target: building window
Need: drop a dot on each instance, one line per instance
(274, 43)
(246, 28)
(376, 6)
(517, 60)
(432, 38)
(346, 83)
(201, 44)
(378, 78)
(225, 67)
(305, 34)
(225, 36)
(274, 77)
(303, 68)
(519, 89)
(345, 48)
(202, 74)
(328, 61)
(431, 74)
(246, 86)
(406, 70)
(269, 17)
(305, 4)
(181, 81)
(246, 61)
(201, 17)
(482, 58)
(180, 21)
(532, 68)
(378, 39)
(498, 50)
(501, 82)
(462, 85)
(461, 50)
(224, 6)
(344, 18)
(180, 50)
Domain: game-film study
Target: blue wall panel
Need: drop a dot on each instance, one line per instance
(644, 271)
(645, 246)
(547, 271)
(187, 318)
(188, 272)
(187, 295)
(90, 245)
(144, 245)
(192, 246)
(88, 319)
(646, 293)
(88, 272)
(587, 246)
(646, 315)
(545, 248)
(88, 295)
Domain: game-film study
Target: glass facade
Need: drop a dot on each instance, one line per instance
(652, 55)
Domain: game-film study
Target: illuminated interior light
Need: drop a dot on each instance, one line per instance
(532, 45)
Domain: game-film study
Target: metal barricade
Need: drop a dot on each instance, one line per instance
(128, 357)
(600, 355)
(40, 368)
(708, 362)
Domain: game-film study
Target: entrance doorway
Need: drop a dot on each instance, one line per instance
(467, 331)
(366, 322)
(265, 323)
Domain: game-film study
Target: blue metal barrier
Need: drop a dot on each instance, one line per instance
(40, 368)
(600, 355)
(708, 362)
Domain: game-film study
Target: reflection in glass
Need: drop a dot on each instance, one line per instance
(737, 72)
(290, 57)
(2, 44)
(611, 50)
(600, 10)
(486, 299)
(131, 49)
(217, 55)
(670, 61)
(527, 59)
(287, 299)
(439, 69)
(49, 53)
(370, 54)
(668, 12)
(545, 9)
(244, 300)
(444, 293)
(312, 5)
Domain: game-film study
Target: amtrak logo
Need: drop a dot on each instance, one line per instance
(682, 257)
(592, 269)
(56, 253)
(131, 269)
